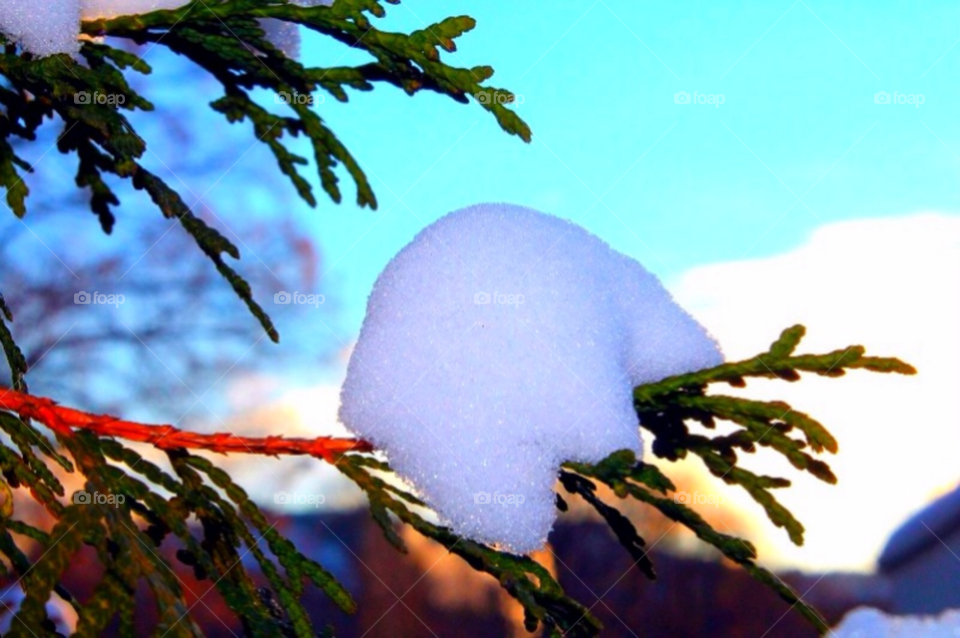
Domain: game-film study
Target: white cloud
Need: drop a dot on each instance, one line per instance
(892, 285)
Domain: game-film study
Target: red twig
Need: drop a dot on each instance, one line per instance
(166, 437)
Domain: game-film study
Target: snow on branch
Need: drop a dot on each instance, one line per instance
(666, 410)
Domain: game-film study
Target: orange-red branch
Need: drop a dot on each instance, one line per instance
(166, 437)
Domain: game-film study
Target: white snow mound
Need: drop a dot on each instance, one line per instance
(48, 27)
(500, 343)
(42, 27)
(866, 622)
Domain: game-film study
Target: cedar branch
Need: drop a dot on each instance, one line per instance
(64, 420)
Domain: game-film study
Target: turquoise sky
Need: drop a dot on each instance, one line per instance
(798, 141)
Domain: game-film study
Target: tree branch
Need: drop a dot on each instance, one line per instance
(64, 420)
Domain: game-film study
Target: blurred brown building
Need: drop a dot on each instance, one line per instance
(431, 593)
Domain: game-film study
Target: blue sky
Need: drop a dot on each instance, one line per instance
(798, 141)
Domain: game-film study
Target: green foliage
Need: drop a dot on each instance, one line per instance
(540, 594)
(667, 409)
(197, 507)
(226, 39)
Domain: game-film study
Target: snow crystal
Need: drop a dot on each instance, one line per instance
(48, 27)
(873, 623)
(500, 343)
(286, 35)
(283, 35)
(42, 28)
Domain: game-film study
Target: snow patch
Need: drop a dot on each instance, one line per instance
(48, 27)
(866, 622)
(500, 343)
(42, 27)
(286, 35)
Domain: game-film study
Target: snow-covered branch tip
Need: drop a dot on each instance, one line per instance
(669, 407)
(64, 420)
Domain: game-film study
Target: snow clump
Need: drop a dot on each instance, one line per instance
(500, 343)
(42, 27)
(48, 27)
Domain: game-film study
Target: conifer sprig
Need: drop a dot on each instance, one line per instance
(669, 407)
(542, 597)
(226, 39)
